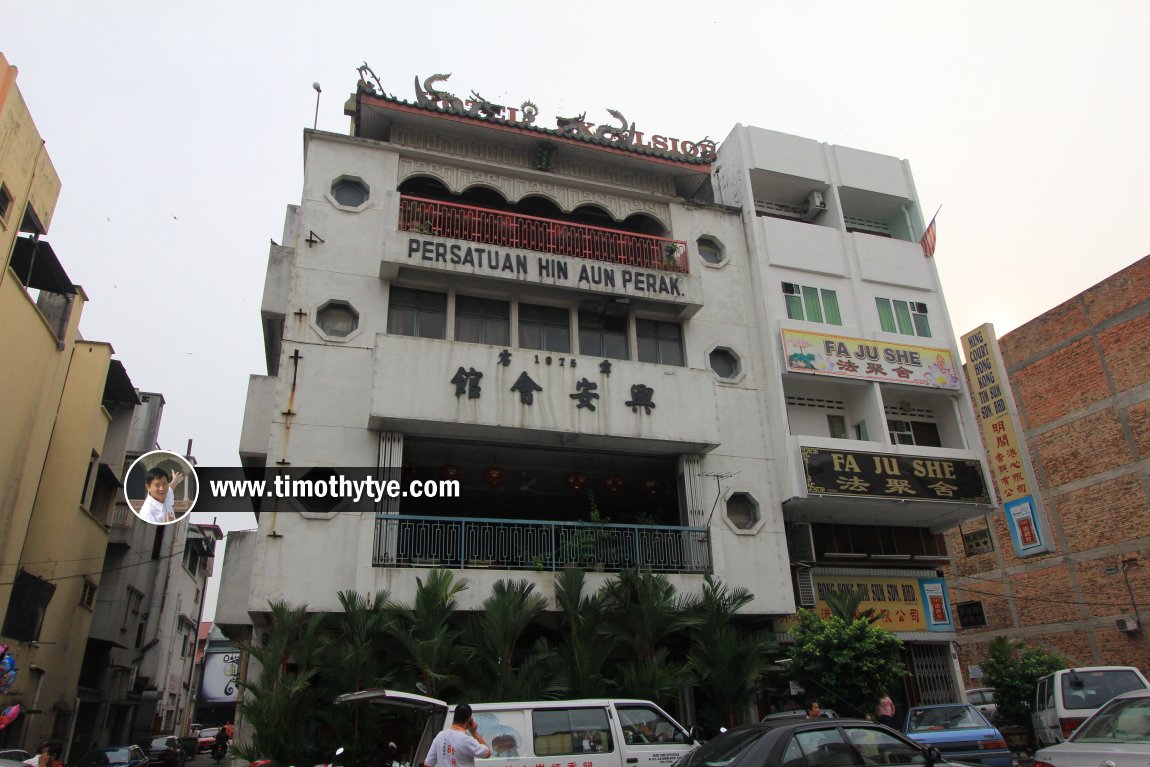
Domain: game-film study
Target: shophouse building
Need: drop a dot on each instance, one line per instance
(630, 349)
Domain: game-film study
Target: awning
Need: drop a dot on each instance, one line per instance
(118, 389)
(36, 265)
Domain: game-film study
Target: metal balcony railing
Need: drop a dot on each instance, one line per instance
(513, 230)
(122, 516)
(517, 544)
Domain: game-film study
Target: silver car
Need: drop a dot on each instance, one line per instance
(1118, 734)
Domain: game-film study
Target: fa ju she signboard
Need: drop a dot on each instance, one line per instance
(868, 359)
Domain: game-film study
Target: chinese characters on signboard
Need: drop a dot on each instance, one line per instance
(1002, 435)
(903, 604)
(882, 475)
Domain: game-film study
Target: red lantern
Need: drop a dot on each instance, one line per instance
(652, 486)
(450, 471)
(576, 481)
(613, 483)
(494, 477)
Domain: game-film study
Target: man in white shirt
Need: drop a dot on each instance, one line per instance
(459, 745)
(158, 506)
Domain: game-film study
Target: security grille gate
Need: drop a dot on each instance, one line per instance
(933, 673)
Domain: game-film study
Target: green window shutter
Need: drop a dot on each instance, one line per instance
(811, 302)
(831, 307)
(885, 315)
(921, 325)
(902, 314)
(794, 307)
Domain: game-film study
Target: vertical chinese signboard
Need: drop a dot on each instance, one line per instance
(1001, 429)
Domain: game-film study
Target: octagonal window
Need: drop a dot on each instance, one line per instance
(337, 318)
(349, 192)
(710, 250)
(742, 511)
(725, 362)
(319, 499)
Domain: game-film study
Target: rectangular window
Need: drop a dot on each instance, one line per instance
(603, 336)
(861, 432)
(89, 481)
(131, 607)
(906, 317)
(419, 313)
(482, 321)
(26, 607)
(5, 203)
(811, 304)
(837, 425)
(660, 342)
(970, 614)
(547, 328)
(88, 594)
(566, 731)
(922, 433)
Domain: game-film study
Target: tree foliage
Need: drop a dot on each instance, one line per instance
(636, 636)
(846, 665)
(1013, 669)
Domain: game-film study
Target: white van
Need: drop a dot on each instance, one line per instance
(583, 733)
(1064, 699)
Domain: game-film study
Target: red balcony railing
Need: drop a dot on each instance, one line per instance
(513, 230)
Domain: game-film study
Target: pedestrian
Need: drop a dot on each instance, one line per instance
(886, 711)
(459, 745)
(813, 710)
(47, 754)
(231, 731)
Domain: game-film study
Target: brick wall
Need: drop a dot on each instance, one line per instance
(1081, 379)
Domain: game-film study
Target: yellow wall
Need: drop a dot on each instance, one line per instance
(26, 170)
(64, 541)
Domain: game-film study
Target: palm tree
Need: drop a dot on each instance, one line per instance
(279, 703)
(359, 661)
(428, 636)
(845, 605)
(583, 650)
(499, 671)
(644, 613)
(726, 659)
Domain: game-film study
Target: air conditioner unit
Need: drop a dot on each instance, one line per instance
(806, 587)
(1127, 625)
(813, 205)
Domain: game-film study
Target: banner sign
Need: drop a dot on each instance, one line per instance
(221, 675)
(1006, 450)
(905, 604)
(868, 360)
(883, 475)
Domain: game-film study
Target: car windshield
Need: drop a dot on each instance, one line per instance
(1121, 721)
(114, 756)
(722, 750)
(159, 743)
(944, 718)
(1090, 689)
(210, 732)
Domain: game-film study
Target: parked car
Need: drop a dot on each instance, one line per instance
(13, 757)
(166, 751)
(811, 743)
(982, 698)
(206, 739)
(1065, 699)
(115, 756)
(960, 732)
(796, 713)
(1117, 734)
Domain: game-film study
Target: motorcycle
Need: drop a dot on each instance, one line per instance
(219, 751)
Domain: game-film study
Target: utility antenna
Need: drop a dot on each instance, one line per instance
(719, 476)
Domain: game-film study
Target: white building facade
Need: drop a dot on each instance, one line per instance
(592, 329)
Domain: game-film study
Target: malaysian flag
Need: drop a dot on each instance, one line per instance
(927, 241)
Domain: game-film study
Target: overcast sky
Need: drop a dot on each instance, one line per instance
(177, 131)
